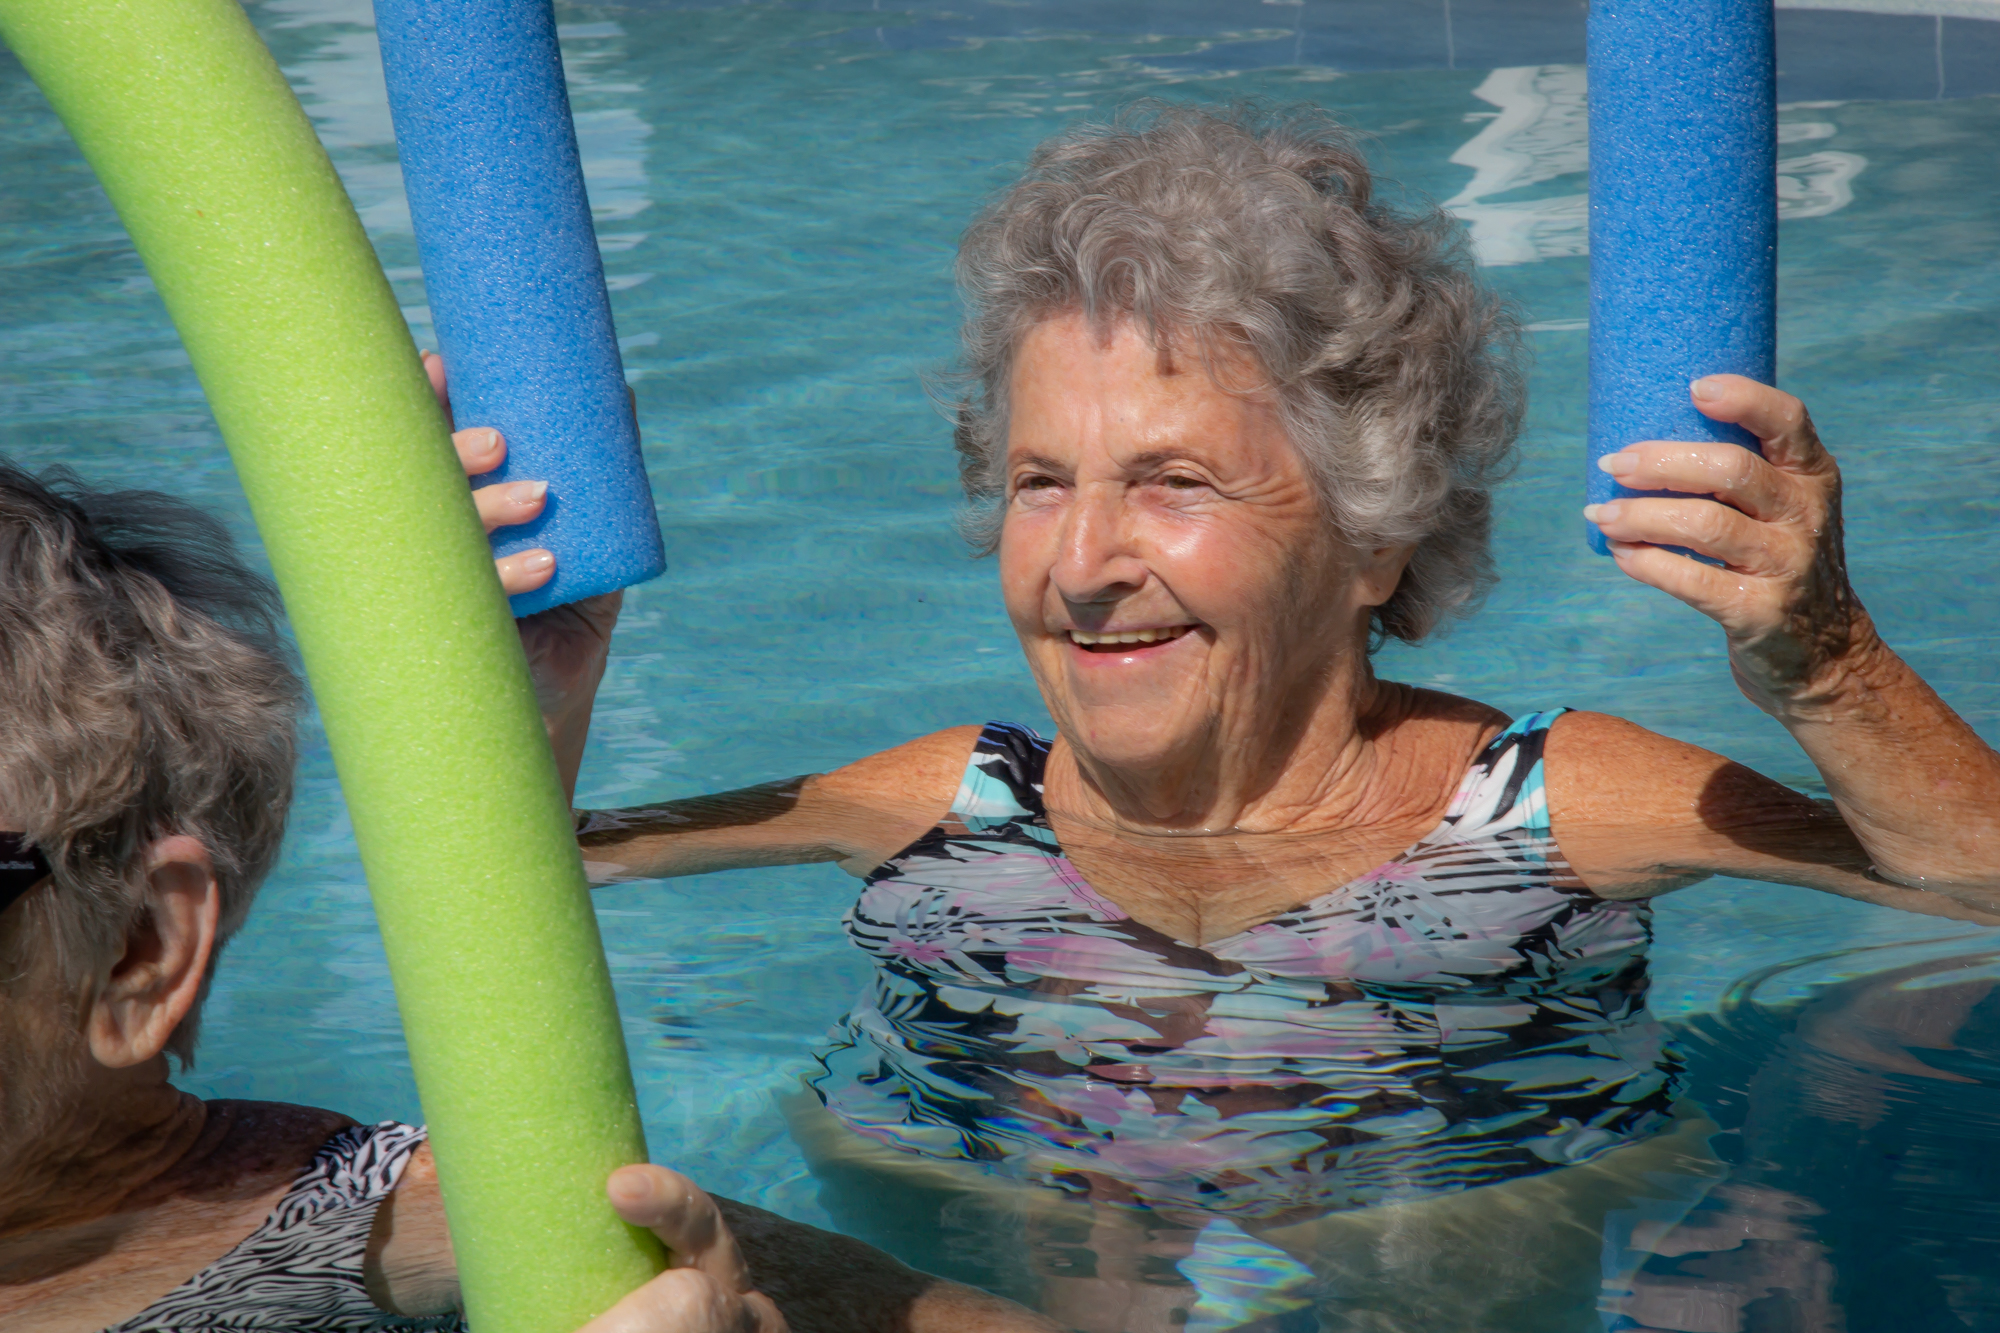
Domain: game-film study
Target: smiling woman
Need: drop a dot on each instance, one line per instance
(1266, 975)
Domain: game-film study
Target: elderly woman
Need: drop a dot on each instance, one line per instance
(148, 715)
(1264, 960)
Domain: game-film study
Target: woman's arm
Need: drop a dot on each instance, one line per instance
(1638, 814)
(859, 816)
(1913, 782)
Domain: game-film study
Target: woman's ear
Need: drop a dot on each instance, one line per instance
(158, 978)
(1380, 572)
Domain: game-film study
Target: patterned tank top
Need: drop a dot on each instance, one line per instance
(300, 1271)
(1463, 1014)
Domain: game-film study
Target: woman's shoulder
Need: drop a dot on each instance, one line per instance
(243, 1142)
(1590, 760)
(1417, 720)
(889, 799)
(917, 770)
(1455, 755)
(313, 1152)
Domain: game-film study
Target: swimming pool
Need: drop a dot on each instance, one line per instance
(778, 190)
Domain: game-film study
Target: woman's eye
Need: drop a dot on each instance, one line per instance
(1179, 483)
(1038, 483)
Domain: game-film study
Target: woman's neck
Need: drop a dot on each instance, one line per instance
(1314, 758)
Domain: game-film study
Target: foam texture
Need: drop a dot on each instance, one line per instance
(515, 281)
(414, 660)
(1683, 217)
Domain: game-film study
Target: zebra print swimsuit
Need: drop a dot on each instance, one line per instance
(1463, 1014)
(300, 1271)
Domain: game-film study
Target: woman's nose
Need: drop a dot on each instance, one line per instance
(1096, 559)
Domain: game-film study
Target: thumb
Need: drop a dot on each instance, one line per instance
(687, 1300)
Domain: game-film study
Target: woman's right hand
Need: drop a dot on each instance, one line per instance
(481, 449)
(567, 646)
(707, 1289)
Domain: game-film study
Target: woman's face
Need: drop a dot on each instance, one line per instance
(1144, 500)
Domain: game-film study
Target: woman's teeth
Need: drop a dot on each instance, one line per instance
(1086, 638)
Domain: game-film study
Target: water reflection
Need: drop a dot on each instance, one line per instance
(1539, 137)
(1860, 1122)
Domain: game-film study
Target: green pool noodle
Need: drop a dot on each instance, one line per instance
(405, 634)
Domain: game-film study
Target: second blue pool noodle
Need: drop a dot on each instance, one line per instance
(1683, 217)
(515, 281)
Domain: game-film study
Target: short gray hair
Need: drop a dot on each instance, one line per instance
(145, 691)
(1394, 371)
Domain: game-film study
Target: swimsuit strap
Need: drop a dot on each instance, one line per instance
(301, 1270)
(1505, 788)
(1002, 783)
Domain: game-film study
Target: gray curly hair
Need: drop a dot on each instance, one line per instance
(1394, 371)
(145, 691)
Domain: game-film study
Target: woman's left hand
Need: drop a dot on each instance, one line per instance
(1796, 630)
(707, 1287)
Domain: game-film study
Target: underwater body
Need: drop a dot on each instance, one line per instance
(778, 191)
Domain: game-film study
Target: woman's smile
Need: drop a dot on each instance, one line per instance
(1126, 643)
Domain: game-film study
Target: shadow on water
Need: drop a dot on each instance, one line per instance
(1859, 1113)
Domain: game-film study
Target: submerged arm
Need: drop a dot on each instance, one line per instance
(804, 1277)
(1913, 783)
(859, 816)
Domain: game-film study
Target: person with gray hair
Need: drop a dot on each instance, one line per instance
(1267, 985)
(147, 739)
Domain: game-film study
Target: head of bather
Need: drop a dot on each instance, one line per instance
(149, 711)
(1228, 416)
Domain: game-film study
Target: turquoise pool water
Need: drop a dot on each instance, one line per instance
(778, 191)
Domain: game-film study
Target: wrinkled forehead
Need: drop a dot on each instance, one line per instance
(1220, 353)
(1077, 385)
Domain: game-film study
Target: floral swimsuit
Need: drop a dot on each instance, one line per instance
(1463, 1014)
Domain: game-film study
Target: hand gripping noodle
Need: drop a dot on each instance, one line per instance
(515, 283)
(405, 633)
(1683, 217)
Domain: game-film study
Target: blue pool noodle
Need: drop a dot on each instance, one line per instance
(1683, 218)
(515, 281)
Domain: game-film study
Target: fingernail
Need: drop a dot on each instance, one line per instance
(1706, 387)
(630, 1188)
(534, 562)
(1618, 464)
(525, 493)
(1604, 513)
